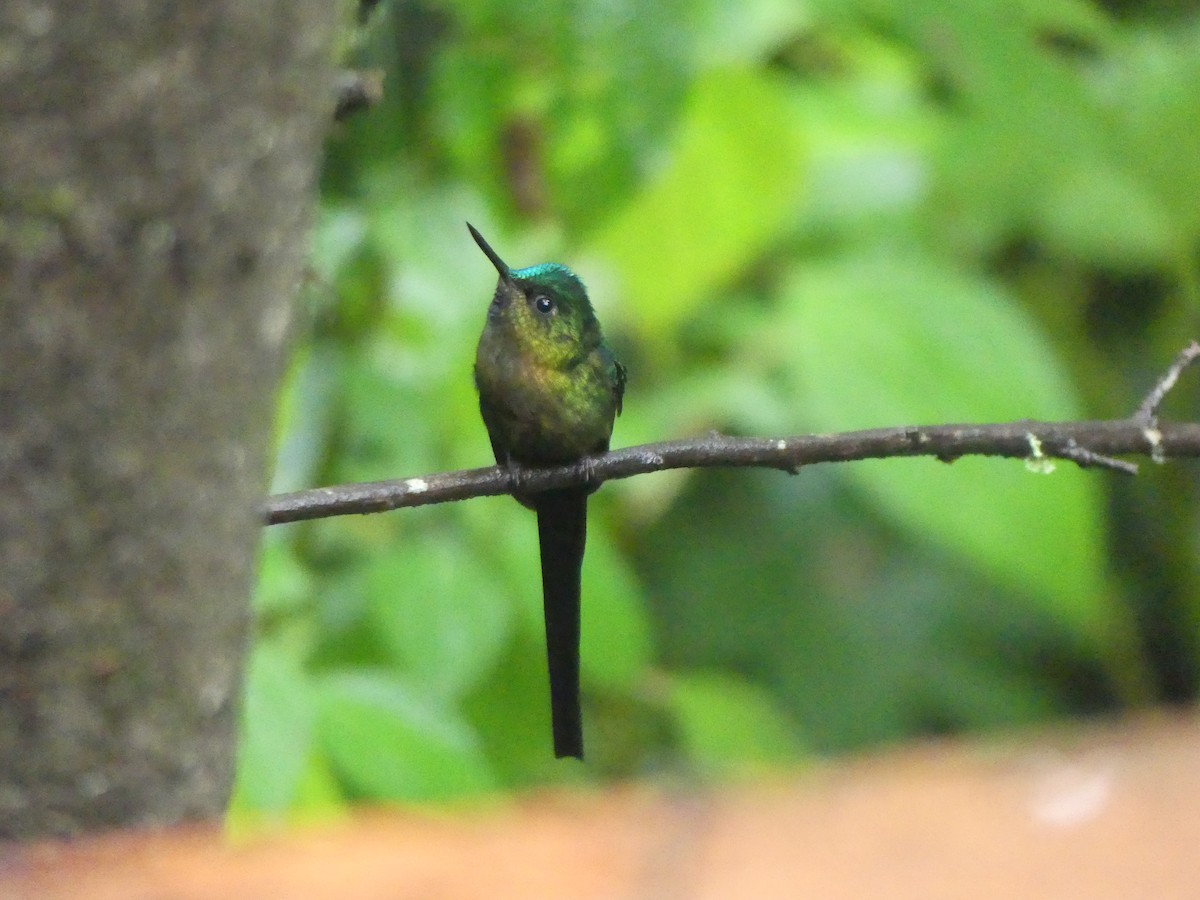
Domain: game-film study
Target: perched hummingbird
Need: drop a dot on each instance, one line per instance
(549, 390)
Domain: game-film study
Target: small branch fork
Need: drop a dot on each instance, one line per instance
(1087, 444)
(355, 91)
(1147, 411)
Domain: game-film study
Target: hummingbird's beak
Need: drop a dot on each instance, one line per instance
(491, 254)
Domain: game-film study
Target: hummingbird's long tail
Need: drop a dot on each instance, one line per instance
(562, 532)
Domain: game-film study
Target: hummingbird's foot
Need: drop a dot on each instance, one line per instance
(590, 479)
(516, 475)
(517, 482)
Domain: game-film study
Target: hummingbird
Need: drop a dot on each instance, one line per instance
(549, 392)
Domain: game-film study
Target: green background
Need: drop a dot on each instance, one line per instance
(792, 217)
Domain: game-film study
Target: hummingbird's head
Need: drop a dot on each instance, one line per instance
(543, 309)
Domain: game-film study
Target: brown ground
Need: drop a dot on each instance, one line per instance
(1098, 813)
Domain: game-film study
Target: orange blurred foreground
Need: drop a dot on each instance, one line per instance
(1097, 813)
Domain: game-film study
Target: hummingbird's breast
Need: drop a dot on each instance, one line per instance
(538, 414)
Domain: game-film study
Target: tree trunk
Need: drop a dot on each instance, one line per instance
(156, 176)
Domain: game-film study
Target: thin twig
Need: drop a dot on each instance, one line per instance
(1087, 444)
(1086, 459)
(1059, 440)
(355, 91)
(1147, 412)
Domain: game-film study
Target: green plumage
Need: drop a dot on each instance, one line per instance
(549, 390)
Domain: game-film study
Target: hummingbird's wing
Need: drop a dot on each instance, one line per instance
(619, 385)
(616, 375)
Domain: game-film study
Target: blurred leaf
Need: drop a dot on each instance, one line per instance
(880, 341)
(512, 711)
(337, 238)
(1103, 214)
(746, 32)
(504, 534)
(434, 266)
(728, 725)
(870, 159)
(734, 175)
(1024, 120)
(1069, 20)
(823, 603)
(389, 743)
(987, 692)
(615, 645)
(388, 427)
(439, 612)
(1158, 117)
(306, 409)
(284, 583)
(276, 735)
(569, 125)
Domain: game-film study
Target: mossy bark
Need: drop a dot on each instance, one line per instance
(157, 169)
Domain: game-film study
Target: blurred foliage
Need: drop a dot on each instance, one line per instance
(792, 216)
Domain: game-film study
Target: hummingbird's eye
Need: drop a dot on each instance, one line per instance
(543, 304)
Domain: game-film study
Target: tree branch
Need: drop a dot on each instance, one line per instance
(1147, 412)
(355, 91)
(1087, 444)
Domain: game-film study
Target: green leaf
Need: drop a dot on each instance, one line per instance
(386, 742)
(276, 735)
(337, 237)
(734, 174)
(880, 341)
(318, 795)
(284, 583)
(387, 426)
(615, 644)
(727, 724)
(438, 612)
(1159, 123)
(304, 422)
(748, 31)
(1104, 214)
(1077, 20)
